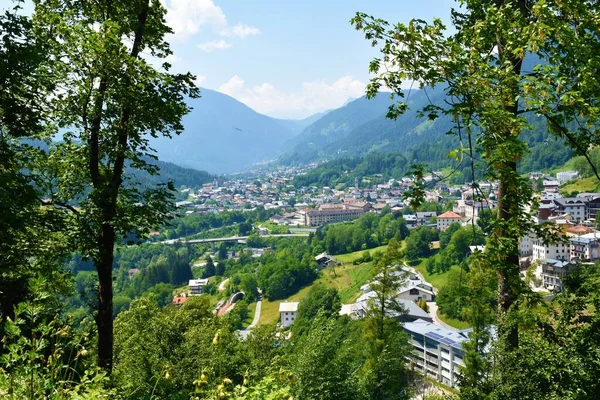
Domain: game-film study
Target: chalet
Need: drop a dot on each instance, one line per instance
(287, 313)
(196, 286)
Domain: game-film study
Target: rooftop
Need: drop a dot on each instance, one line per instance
(450, 214)
(291, 306)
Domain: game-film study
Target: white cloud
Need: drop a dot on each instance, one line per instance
(214, 45)
(199, 79)
(186, 17)
(240, 31)
(315, 96)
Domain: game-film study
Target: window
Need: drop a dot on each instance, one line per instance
(414, 292)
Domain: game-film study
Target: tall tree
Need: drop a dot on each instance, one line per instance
(111, 101)
(507, 61)
(386, 345)
(30, 236)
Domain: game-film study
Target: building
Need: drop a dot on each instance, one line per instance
(584, 248)
(287, 313)
(446, 219)
(555, 251)
(574, 206)
(196, 286)
(592, 201)
(323, 260)
(412, 311)
(553, 272)
(436, 351)
(424, 217)
(328, 213)
(413, 288)
(565, 176)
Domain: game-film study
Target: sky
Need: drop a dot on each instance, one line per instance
(282, 58)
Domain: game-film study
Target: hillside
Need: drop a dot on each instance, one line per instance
(412, 137)
(333, 126)
(178, 175)
(223, 135)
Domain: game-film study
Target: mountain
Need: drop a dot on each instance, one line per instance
(222, 135)
(311, 119)
(187, 177)
(334, 126)
(348, 133)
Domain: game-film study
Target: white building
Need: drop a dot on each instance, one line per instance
(446, 219)
(584, 248)
(557, 251)
(573, 206)
(287, 313)
(563, 177)
(196, 286)
(437, 351)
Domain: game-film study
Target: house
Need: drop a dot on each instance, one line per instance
(416, 290)
(446, 219)
(132, 272)
(424, 217)
(553, 272)
(179, 300)
(196, 286)
(584, 248)
(412, 311)
(413, 288)
(573, 206)
(287, 313)
(554, 251)
(437, 351)
(323, 260)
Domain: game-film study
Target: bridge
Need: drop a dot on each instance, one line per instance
(231, 238)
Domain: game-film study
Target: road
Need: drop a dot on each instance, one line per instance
(433, 310)
(222, 285)
(256, 315)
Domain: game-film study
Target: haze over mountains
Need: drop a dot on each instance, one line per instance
(223, 135)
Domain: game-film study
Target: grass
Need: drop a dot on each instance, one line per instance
(347, 279)
(438, 280)
(250, 317)
(455, 323)
(349, 257)
(582, 185)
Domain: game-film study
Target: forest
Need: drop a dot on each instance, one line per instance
(74, 325)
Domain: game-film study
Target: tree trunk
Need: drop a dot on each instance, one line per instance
(507, 296)
(104, 318)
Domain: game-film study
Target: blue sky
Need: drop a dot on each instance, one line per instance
(284, 58)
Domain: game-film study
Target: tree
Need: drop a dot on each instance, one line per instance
(32, 238)
(319, 300)
(209, 268)
(509, 62)
(384, 372)
(111, 102)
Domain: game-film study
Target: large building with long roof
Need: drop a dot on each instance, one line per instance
(437, 351)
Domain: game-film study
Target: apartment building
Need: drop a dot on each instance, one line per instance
(328, 213)
(436, 351)
(553, 272)
(446, 219)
